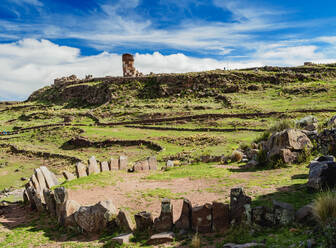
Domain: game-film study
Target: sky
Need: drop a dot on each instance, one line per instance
(44, 39)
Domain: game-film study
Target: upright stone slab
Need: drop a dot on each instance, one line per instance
(104, 166)
(114, 164)
(152, 162)
(165, 221)
(93, 166)
(144, 222)
(184, 222)
(42, 183)
(68, 176)
(124, 221)
(61, 196)
(49, 177)
(81, 170)
(70, 208)
(141, 166)
(221, 217)
(50, 201)
(202, 218)
(123, 163)
(35, 182)
(37, 200)
(240, 206)
(29, 190)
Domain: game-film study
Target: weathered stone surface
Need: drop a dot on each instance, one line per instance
(325, 158)
(68, 176)
(202, 218)
(327, 141)
(35, 182)
(322, 175)
(41, 181)
(165, 221)
(50, 201)
(123, 163)
(305, 214)
(308, 123)
(81, 170)
(144, 221)
(239, 205)
(61, 196)
(220, 216)
(184, 222)
(122, 239)
(170, 164)
(124, 221)
(141, 166)
(104, 166)
(49, 177)
(284, 213)
(93, 166)
(161, 238)
(247, 245)
(152, 162)
(94, 219)
(25, 196)
(30, 190)
(114, 164)
(68, 213)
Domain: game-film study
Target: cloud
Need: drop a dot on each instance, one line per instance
(327, 39)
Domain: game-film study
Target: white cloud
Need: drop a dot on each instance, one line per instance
(327, 39)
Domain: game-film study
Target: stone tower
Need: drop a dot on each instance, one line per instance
(128, 66)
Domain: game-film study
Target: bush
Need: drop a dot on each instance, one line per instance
(263, 137)
(236, 156)
(282, 125)
(196, 241)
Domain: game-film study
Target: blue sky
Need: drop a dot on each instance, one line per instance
(44, 39)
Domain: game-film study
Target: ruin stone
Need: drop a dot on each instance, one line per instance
(49, 177)
(114, 164)
(202, 218)
(124, 221)
(68, 213)
(122, 239)
(141, 166)
(284, 213)
(161, 238)
(239, 204)
(123, 163)
(41, 181)
(37, 201)
(322, 174)
(104, 166)
(61, 196)
(93, 166)
(308, 123)
(152, 162)
(68, 176)
(220, 216)
(128, 66)
(184, 222)
(81, 170)
(144, 221)
(35, 182)
(165, 221)
(29, 190)
(50, 201)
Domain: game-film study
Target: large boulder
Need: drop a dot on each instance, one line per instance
(240, 206)
(94, 219)
(144, 222)
(184, 222)
(202, 218)
(221, 217)
(287, 145)
(322, 173)
(165, 221)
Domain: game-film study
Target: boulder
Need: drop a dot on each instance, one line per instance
(262, 216)
(104, 166)
(94, 219)
(81, 170)
(240, 204)
(284, 213)
(202, 218)
(68, 213)
(50, 201)
(61, 196)
(50, 178)
(322, 175)
(124, 221)
(144, 221)
(29, 190)
(287, 145)
(327, 141)
(37, 201)
(114, 164)
(305, 214)
(165, 221)
(93, 166)
(41, 181)
(308, 123)
(184, 222)
(220, 217)
(141, 166)
(152, 162)
(123, 163)
(122, 239)
(161, 238)
(68, 176)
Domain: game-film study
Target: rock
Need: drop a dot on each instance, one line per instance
(152, 162)
(49, 177)
(81, 170)
(332, 122)
(165, 221)
(287, 145)
(311, 243)
(239, 206)
(61, 196)
(29, 190)
(322, 175)
(247, 245)
(68, 176)
(50, 201)
(93, 166)
(144, 221)
(68, 213)
(94, 219)
(35, 182)
(284, 213)
(37, 201)
(262, 216)
(326, 141)
(42, 183)
(114, 164)
(122, 239)
(170, 164)
(251, 164)
(326, 158)
(123, 163)
(308, 123)
(305, 214)
(25, 196)
(124, 221)
(220, 216)
(184, 222)
(141, 166)
(202, 218)
(161, 238)
(104, 166)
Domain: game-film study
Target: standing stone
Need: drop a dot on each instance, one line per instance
(35, 182)
(50, 177)
(81, 170)
(221, 217)
(202, 218)
(240, 204)
(144, 221)
(70, 208)
(93, 166)
(123, 163)
(37, 201)
(165, 221)
(114, 164)
(124, 221)
(104, 166)
(284, 213)
(42, 183)
(68, 176)
(152, 162)
(29, 190)
(184, 222)
(50, 201)
(25, 196)
(94, 219)
(61, 196)
(141, 166)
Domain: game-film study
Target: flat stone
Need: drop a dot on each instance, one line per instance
(184, 222)
(123, 163)
(161, 238)
(104, 166)
(49, 177)
(114, 164)
(81, 170)
(68, 176)
(152, 162)
(93, 166)
(122, 239)
(35, 182)
(221, 217)
(202, 218)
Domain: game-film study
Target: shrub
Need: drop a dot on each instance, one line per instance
(196, 241)
(282, 125)
(263, 137)
(236, 156)
(304, 156)
(324, 207)
(262, 158)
